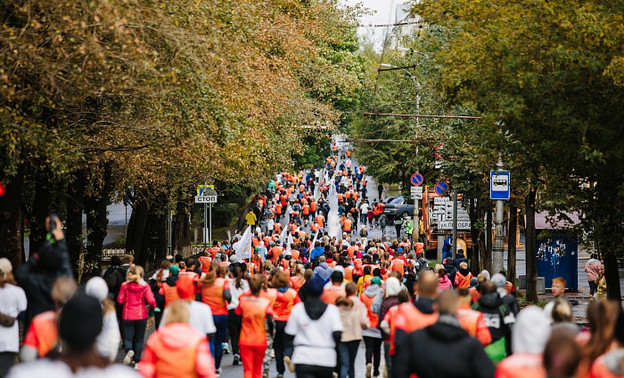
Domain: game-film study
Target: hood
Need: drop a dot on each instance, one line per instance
(136, 287)
(393, 286)
(176, 335)
(531, 331)
(424, 305)
(592, 261)
(171, 280)
(314, 307)
(491, 300)
(464, 272)
(613, 360)
(446, 329)
(372, 290)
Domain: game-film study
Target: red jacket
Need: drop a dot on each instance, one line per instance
(134, 297)
(177, 350)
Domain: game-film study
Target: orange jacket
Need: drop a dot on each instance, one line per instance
(408, 318)
(177, 350)
(42, 333)
(284, 303)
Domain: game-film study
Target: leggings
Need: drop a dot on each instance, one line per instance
(234, 328)
(311, 371)
(373, 352)
(252, 357)
(283, 346)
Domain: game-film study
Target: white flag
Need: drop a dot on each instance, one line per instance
(243, 246)
(289, 243)
(283, 235)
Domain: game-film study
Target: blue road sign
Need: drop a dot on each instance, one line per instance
(417, 179)
(500, 185)
(441, 188)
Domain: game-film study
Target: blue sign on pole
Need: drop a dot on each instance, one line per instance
(441, 188)
(500, 185)
(417, 179)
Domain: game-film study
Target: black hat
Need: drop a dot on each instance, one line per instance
(80, 322)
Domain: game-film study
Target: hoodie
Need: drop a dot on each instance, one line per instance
(443, 349)
(134, 296)
(323, 271)
(531, 332)
(178, 350)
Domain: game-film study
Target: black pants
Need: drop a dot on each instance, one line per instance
(373, 352)
(592, 287)
(283, 346)
(134, 337)
(312, 371)
(234, 328)
(7, 360)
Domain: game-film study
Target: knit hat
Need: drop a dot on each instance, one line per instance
(473, 282)
(115, 261)
(96, 287)
(486, 274)
(5, 266)
(393, 286)
(531, 331)
(375, 281)
(80, 321)
(499, 280)
(314, 287)
(174, 270)
(185, 287)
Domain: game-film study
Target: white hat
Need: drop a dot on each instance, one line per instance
(96, 287)
(5, 266)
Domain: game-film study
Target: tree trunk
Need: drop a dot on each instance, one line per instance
(474, 236)
(73, 224)
(11, 216)
(511, 244)
(182, 226)
(40, 210)
(97, 222)
(612, 276)
(137, 230)
(531, 257)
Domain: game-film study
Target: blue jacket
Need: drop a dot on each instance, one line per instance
(317, 252)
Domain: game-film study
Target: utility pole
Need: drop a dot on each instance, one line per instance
(454, 251)
(498, 247)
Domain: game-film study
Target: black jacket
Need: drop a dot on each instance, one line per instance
(441, 350)
(497, 315)
(37, 276)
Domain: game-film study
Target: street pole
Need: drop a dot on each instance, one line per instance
(205, 223)
(498, 246)
(210, 226)
(454, 251)
(170, 233)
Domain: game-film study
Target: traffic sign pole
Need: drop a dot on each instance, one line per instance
(210, 226)
(498, 247)
(205, 223)
(454, 251)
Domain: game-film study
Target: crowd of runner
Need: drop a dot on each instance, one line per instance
(299, 298)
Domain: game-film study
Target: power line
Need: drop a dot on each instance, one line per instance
(388, 25)
(420, 116)
(383, 140)
(395, 68)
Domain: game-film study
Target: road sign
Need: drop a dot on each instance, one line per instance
(441, 188)
(417, 179)
(203, 190)
(416, 192)
(205, 199)
(500, 186)
(448, 225)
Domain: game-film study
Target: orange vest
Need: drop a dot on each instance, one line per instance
(373, 318)
(295, 254)
(171, 293)
(42, 333)
(347, 225)
(398, 265)
(212, 295)
(462, 282)
(332, 293)
(284, 303)
(348, 274)
(408, 318)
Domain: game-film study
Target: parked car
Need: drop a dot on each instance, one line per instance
(399, 206)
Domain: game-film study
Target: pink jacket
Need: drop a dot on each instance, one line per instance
(444, 283)
(134, 297)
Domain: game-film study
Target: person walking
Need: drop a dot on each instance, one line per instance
(592, 268)
(317, 329)
(286, 298)
(256, 320)
(354, 318)
(107, 342)
(372, 334)
(215, 292)
(12, 302)
(238, 285)
(134, 295)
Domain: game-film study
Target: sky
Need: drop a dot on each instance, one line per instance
(383, 13)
